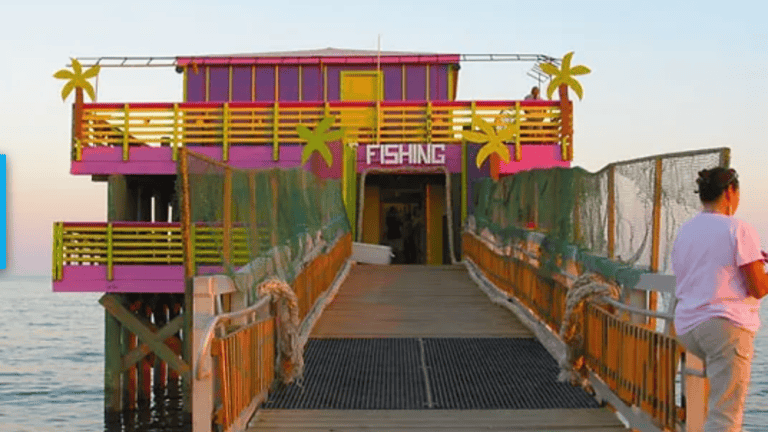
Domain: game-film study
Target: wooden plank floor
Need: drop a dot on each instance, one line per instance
(421, 301)
(414, 301)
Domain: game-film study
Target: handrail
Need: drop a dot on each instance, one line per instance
(206, 344)
(228, 124)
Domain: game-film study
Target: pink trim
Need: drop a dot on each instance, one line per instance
(127, 278)
(534, 157)
(158, 160)
(123, 224)
(319, 104)
(387, 59)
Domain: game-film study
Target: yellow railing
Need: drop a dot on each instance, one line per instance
(245, 368)
(642, 372)
(111, 244)
(253, 123)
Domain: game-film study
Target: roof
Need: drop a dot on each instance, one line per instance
(323, 55)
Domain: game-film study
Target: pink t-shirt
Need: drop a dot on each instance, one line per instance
(706, 256)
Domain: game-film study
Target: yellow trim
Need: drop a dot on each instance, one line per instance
(377, 74)
(225, 133)
(325, 83)
(403, 84)
(253, 83)
(126, 111)
(518, 149)
(186, 84)
(449, 96)
(175, 136)
(277, 84)
(110, 258)
(207, 83)
(275, 131)
(229, 84)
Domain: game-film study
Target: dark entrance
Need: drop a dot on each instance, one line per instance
(397, 213)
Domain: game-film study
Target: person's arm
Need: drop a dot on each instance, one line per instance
(756, 278)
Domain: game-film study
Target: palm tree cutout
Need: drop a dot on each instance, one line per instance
(494, 139)
(316, 139)
(565, 76)
(77, 80)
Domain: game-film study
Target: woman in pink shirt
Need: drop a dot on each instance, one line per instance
(720, 277)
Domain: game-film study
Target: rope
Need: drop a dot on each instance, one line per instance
(588, 287)
(291, 356)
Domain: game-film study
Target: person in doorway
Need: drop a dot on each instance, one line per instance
(720, 276)
(394, 233)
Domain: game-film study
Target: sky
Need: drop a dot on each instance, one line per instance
(666, 77)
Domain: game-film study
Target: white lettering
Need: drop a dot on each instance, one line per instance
(423, 156)
(438, 158)
(369, 149)
(390, 155)
(401, 154)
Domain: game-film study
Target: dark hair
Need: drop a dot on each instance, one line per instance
(713, 182)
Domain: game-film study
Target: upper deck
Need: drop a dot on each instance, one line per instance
(249, 110)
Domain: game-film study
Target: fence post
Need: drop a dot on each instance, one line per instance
(611, 211)
(656, 238)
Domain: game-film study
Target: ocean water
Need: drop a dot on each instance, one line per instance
(52, 365)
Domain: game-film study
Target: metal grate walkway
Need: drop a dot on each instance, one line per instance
(429, 373)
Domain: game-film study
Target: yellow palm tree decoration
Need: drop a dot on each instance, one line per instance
(316, 139)
(565, 75)
(77, 79)
(494, 139)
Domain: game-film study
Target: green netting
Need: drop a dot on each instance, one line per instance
(277, 221)
(566, 212)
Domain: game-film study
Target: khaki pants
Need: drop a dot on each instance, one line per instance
(727, 353)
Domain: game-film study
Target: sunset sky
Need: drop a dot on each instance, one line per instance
(665, 78)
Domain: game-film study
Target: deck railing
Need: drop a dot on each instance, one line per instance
(176, 125)
(115, 243)
(638, 364)
(241, 344)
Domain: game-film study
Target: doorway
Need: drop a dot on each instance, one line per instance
(406, 211)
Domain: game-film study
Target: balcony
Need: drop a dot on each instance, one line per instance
(137, 256)
(145, 138)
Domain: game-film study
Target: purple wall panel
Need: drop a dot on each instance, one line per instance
(218, 85)
(334, 82)
(311, 83)
(195, 85)
(265, 83)
(241, 83)
(415, 82)
(438, 82)
(289, 83)
(393, 83)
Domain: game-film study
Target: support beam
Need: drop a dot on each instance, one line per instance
(135, 325)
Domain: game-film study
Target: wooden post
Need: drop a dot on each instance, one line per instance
(611, 211)
(77, 132)
(227, 215)
(275, 212)
(112, 388)
(656, 235)
(725, 158)
(145, 366)
(566, 120)
(160, 318)
(189, 271)
(464, 182)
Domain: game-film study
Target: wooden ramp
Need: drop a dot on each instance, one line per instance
(432, 335)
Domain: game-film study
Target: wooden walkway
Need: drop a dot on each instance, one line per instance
(423, 302)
